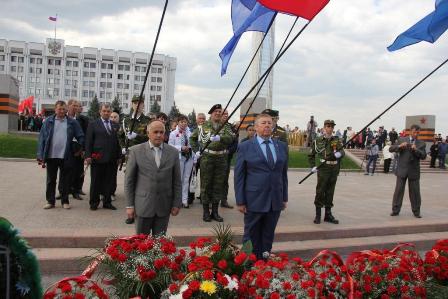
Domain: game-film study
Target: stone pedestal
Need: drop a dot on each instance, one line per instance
(9, 102)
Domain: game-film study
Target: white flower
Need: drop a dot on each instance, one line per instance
(233, 283)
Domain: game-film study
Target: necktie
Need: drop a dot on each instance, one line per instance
(157, 155)
(269, 155)
(107, 125)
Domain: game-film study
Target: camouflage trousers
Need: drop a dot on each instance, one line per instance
(213, 176)
(326, 183)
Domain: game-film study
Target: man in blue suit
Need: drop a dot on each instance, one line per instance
(261, 185)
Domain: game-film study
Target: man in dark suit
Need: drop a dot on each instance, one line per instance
(410, 151)
(153, 186)
(261, 185)
(102, 153)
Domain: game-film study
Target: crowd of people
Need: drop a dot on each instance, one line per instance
(170, 163)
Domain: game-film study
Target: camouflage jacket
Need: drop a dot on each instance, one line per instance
(139, 128)
(280, 134)
(201, 136)
(325, 148)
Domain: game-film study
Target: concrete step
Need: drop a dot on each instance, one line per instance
(72, 260)
(96, 238)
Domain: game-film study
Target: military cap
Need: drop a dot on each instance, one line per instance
(272, 113)
(329, 122)
(135, 99)
(214, 107)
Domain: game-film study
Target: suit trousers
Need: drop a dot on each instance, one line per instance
(101, 182)
(65, 177)
(78, 175)
(153, 225)
(113, 188)
(414, 195)
(259, 228)
(387, 165)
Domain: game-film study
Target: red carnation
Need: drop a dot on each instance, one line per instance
(222, 264)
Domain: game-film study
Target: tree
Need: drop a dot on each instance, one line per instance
(155, 107)
(192, 119)
(94, 109)
(116, 106)
(174, 113)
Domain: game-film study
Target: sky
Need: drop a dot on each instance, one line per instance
(339, 68)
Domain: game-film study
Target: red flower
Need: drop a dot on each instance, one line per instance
(207, 275)
(158, 264)
(240, 258)
(173, 288)
(194, 285)
(216, 247)
(275, 296)
(222, 264)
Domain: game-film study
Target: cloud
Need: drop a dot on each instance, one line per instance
(339, 68)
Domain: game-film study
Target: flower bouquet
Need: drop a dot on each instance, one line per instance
(436, 262)
(141, 265)
(75, 287)
(396, 273)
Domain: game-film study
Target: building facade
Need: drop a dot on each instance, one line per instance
(52, 71)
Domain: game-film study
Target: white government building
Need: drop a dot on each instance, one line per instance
(53, 71)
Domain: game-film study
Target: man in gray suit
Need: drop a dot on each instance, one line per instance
(410, 151)
(152, 182)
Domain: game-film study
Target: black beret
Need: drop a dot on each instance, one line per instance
(272, 113)
(214, 107)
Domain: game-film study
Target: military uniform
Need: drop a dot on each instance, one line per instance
(325, 149)
(139, 128)
(280, 134)
(213, 164)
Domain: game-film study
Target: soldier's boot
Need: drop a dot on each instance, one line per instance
(215, 215)
(329, 217)
(206, 216)
(318, 214)
(225, 204)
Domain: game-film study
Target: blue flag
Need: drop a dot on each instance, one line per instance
(247, 15)
(429, 29)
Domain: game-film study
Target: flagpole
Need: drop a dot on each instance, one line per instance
(384, 112)
(266, 77)
(140, 98)
(55, 23)
(279, 56)
(251, 61)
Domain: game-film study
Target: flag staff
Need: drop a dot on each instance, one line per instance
(140, 98)
(279, 56)
(382, 113)
(266, 77)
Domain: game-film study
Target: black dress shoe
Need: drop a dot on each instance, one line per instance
(394, 214)
(185, 206)
(226, 205)
(77, 196)
(129, 221)
(93, 208)
(109, 207)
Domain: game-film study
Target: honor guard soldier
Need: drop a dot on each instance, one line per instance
(277, 132)
(138, 134)
(213, 162)
(329, 151)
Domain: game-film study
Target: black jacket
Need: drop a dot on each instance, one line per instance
(101, 146)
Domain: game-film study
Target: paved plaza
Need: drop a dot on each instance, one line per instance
(360, 201)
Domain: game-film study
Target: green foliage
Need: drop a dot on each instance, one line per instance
(155, 107)
(18, 146)
(192, 119)
(435, 290)
(223, 234)
(116, 106)
(94, 109)
(24, 271)
(174, 113)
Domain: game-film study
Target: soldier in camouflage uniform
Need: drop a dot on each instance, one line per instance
(277, 132)
(232, 149)
(138, 134)
(213, 162)
(329, 150)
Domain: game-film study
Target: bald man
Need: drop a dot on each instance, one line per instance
(153, 187)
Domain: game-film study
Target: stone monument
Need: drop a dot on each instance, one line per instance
(9, 102)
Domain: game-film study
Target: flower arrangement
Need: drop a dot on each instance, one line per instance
(141, 265)
(396, 273)
(77, 288)
(436, 262)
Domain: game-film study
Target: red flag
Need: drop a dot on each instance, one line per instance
(306, 9)
(26, 104)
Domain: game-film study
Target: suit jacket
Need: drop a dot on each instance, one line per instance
(153, 190)
(409, 160)
(258, 186)
(101, 142)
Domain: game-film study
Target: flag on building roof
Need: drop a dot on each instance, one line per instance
(429, 29)
(54, 19)
(306, 9)
(247, 15)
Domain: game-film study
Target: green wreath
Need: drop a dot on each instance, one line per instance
(24, 274)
